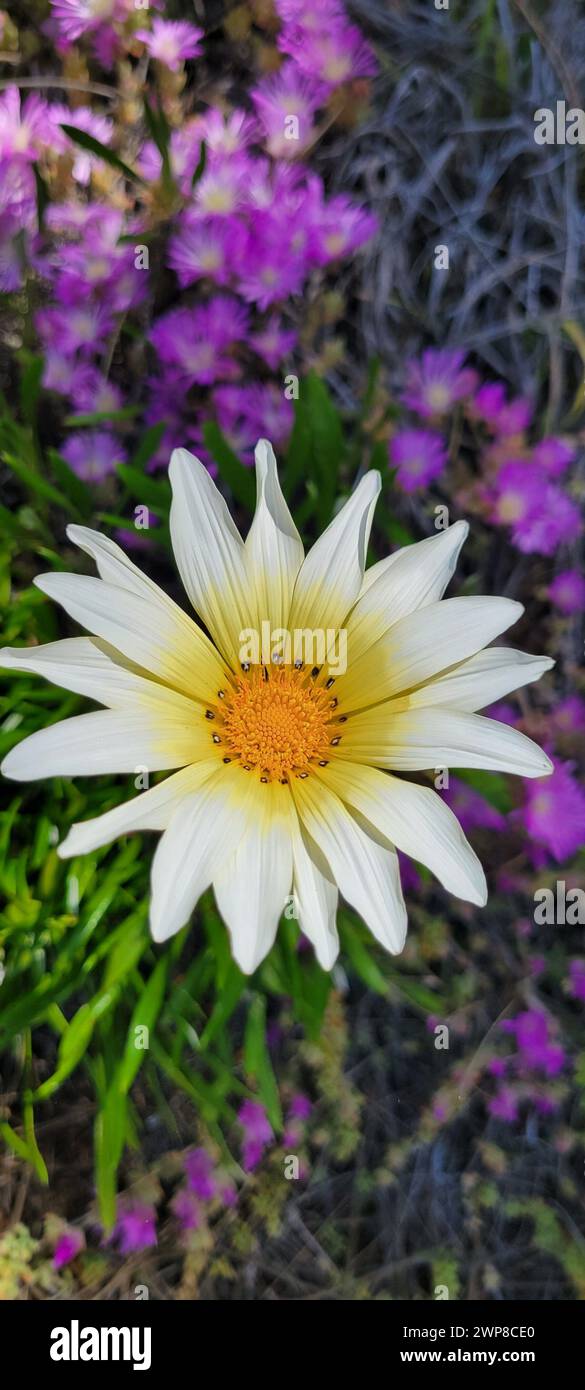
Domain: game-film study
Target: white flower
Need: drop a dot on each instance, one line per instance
(289, 781)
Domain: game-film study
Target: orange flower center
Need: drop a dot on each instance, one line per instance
(277, 721)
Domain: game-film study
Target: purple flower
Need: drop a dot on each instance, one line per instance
(258, 1133)
(171, 42)
(334, 54)
(93, 123)
(504, 1106)
(90, 391)
(194, 340)
(273, 342)
(187, 1210)
(418, 456)
(300, 1107)
(287, 93)
(135, 1227)
(93, 454)
(25, 127)
(535, 1050)
(540, 515)
(270, 415)
(70, 330)
(437, 382)
(199, 1167)
(222, 189)
(554, 455)
(503, 418)
(567, 591)
(206, 248)
(227, 132)
(69, 1244)
(554, 812)
(569, 715)
(577, 979)
(341, 228)
(76, 18)
(471, 809)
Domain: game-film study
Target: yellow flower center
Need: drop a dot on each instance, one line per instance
(277, 721)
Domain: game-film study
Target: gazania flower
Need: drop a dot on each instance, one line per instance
(291, 777)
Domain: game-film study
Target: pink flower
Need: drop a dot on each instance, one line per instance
(418, 456)
(171, 42)
(554, 812)
(567, 591)
(437, 382)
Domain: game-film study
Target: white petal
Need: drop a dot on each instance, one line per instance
(411, 578)
(108, 741)
(83, 665)
(209, 552)
(254, 883)
(420, 645)
(151, 810)
(273, 550)
(316, 901)
(331, 576)
(414, 740)
(165, 643)
(416, 820)
(192, 847)
(482, 679)
(367, 873)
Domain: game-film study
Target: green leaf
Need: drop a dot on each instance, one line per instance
(30, 388)
(257, 1061)
(148, 445)
(109, 1136)
(150, 492)
(493, 786)
(200, 169)
(145, 1014)
(87, 142)
(231, 993)
(363, 962)
(238, 478)
(73, 487)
